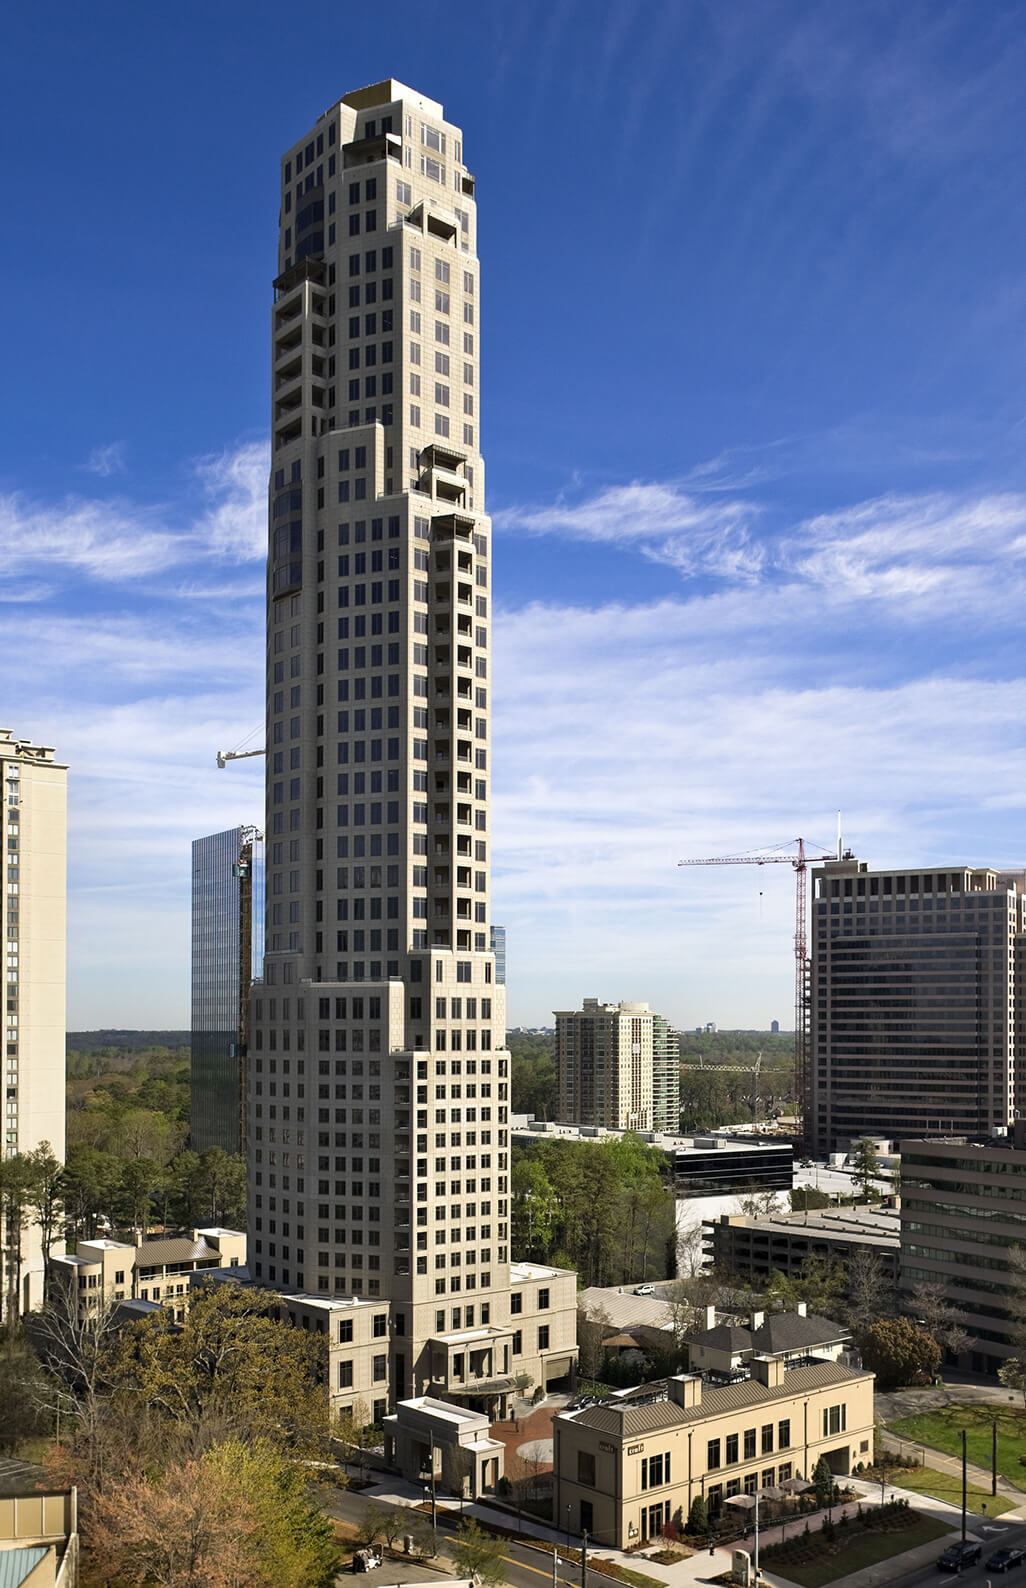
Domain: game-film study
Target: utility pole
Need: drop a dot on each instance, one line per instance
(963, 1485)
(993, 1456)
(434, 1509)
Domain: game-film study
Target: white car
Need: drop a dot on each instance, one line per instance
(644, 1290)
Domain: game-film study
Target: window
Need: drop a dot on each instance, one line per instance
(749, 1444)
(835, 1419)
(784, 1434)
(543, 1300)
(712, 1455)
(586, 1468)
(730, 1452)
(516, 1302)
(518, 1341)
(345, 1375)
(380, 1369)
(543, 1337)
(345, 1331)
(380, 1325)
(767, 1438)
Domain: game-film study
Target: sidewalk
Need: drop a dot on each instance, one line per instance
(979, 1477)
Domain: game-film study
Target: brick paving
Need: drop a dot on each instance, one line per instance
(530, 1429)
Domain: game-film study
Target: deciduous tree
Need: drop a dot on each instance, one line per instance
(478, 1554)
(896, 1351)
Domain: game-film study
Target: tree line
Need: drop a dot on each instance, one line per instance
(605, 1208)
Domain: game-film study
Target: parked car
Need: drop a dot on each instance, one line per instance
(367, 1559)
(959, 1555)
(644, 1290)
(1005, 1559)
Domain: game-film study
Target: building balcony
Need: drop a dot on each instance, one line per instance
(364, 151)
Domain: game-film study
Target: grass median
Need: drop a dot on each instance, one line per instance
(942, 1429)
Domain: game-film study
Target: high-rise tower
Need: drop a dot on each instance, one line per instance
(378, 1076)
(33, 847)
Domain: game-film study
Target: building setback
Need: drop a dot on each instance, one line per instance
(914, 979)
(963, 1206)
(33, 847)
(227, 954)
(378, 1079)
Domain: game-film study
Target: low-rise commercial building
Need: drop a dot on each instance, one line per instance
(427, 1438)
(105, 1271)
(701, 1165)
(753, 1247)
(963, 1206)
(38, 1538)
(627, 1467)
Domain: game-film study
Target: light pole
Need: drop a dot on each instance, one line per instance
(756, 1560)
(568, 1529)
(963, 1485)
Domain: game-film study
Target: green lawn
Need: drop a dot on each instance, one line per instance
(947, 1486)
(865, 1550)
(941, 1429)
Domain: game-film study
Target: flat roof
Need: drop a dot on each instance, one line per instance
(868, 1226)
(521, 1273)
(526, 1126)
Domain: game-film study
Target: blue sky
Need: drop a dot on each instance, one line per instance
(752, 405)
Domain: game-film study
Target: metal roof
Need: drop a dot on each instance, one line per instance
(18, 1564)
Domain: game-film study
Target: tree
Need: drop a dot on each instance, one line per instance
(14, 1179)
(933, 1311)
(870, 1290)
(425, 1539)
(896, 1351)
(234, 1359)
(45, 1200)
(25, 1394)
(1012, 1374)
(865, 1165)
(823, 1479)
(820, 1283)
(698, 1517)
(236, 1517)
(1017, 1303)
(805, 1198)
(478, 1554)
(756, 1204)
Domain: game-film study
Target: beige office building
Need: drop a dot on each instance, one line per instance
(606, 1058)
(627, 1467)
(33, 844)
(378, 1080)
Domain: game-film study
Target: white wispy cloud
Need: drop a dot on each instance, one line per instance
(659, 519)
(116, 540)
(107, 460)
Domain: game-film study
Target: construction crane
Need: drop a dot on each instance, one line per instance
(224, 756)
(734, 1069)
(800, 863)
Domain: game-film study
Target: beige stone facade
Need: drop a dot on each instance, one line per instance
(103, 1271)
(33, 850)
(39, 1539)
(605, 1060)
(625, 1468)
(377, 1075)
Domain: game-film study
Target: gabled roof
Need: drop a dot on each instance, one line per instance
(789, 1331)
(17, 1565)
(725, 1337)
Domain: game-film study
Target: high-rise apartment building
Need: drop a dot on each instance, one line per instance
(498, 948)
(617, 1064)
(665, 1076)
(227, 953)
(913, 1003)
(33, 846)
(378, 1096)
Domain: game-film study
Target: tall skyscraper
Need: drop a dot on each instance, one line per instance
(227, 953)
(914, 1001)
(378, 1076)
(606, 1066)
(33, 846)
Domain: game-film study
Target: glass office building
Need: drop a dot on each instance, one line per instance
(227, 952)
(498, 947)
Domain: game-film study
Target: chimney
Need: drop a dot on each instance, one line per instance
(756, 1320)
(685, 1389)
(768, 1370)
(710, 1317)
(802, 1309)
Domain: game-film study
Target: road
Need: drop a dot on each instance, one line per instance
(993, 1534)
(525, 1567)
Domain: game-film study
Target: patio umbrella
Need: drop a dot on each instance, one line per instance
(771, 1492)
(746, 1501)
(797, 1485)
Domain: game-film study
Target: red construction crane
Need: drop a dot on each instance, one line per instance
(799, 862)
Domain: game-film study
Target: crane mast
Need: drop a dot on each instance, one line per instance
(800, 864)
